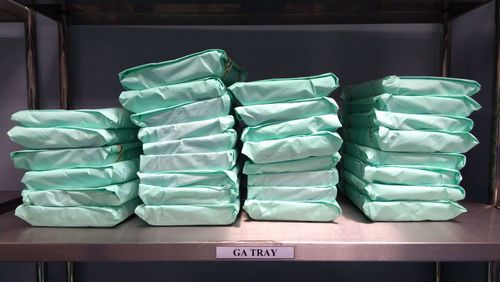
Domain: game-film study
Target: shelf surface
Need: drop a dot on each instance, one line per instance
(241, 12)
(474, 236)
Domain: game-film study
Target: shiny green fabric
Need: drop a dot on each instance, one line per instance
(321, 178)
(206, 144)
(284, 89)
(196, 111)
(307, 164)
(187, 195)
(112, 195)
(110, 118)
(181, 215)
(277, 112)
(60, 138)
(186, 130)
(298, 194)
(413, 140)
(386, 192)
(461, 106)
(202, 161)
(191, 178)
(403, 175)
(208, 63)
(412, 86)
(304, 126)
(379, 158)
(172, 95)
(293, 148)
(401, 121)
(83, 216)
(322, 211)
(75, 158)
(81, 177)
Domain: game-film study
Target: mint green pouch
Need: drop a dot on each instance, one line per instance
(112, 195)
(307, 164)
(182, 215)
(187, 195)
(293, 148)
(202, 161)
(284, 89)
(70, 178)
(208, 63)
(75, 158)
(192, 178)
(277, 112)
(379, 158)
(206, 144)
(400, 121)
(322, 178)
(461, 106)
(402, 175)
(413, 140)
(304, 126)
(186, 130)
(60, 138)
(412, 86)
(405, 210)
(293, 211)
(196, 111)
(83, 216)
(109, 118)
(173, 95)
(297, 194)
(385, 192)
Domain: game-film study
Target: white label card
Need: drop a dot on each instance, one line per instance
(255, 252)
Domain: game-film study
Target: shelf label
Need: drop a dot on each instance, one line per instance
(255, 253)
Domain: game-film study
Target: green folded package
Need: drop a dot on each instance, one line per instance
(202, 161)
(192, 178)
(186, 130)
(400, 121)
(297, 194)
(308, 164)
(182, 215)
(112, 195)
(173, 95)
(322, 211)
(187, 195)
(293, 148)
(402, 175)
(109, 118)
(379, 158)
(388, 192)
(206, 144)
(208, 63)
(196, 111)
(413, 140)
(61, 138)
(304, 126)
(83, 216)
(412, 86)
(405, 210)
(75, 158)
(321, 178)
(284, 89)
(461, 106)
(277, 112)
(71, 178)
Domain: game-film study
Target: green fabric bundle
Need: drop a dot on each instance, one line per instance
(406, 136)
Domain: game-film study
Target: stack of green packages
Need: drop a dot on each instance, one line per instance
(81, 166)
(187, 173)
(292, 146)
(406, 136)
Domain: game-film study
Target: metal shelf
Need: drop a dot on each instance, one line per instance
(474, 236)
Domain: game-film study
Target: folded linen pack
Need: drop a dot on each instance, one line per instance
(82, 216)
(208, 63)
(200, 161)
(321, 178)
(327, 162)
(323, 211)
(297, 194)
(187, 195)
(183, 178)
